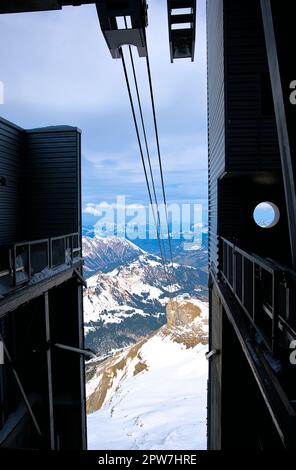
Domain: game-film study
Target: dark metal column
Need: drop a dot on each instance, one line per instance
(49, 373)
(82, 367)
(279, 30)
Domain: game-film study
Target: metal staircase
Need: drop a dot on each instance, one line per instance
(182, 25)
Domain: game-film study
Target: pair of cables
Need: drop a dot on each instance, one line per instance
(148, 170)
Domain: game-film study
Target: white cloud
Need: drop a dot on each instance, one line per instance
(98, 209)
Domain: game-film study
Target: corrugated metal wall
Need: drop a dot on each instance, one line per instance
(251, 138)
(41, 195)
(53, 174)
(215, 115)
(11, 156)
(216, 167)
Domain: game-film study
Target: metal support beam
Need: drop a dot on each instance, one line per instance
(1, 353)
(21, 6)
(49, 374)
(279, 30)
(83, 352)
(80, 278)
(81, 343)
(21, 388)
(277, 402)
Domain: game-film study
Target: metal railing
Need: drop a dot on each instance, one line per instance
(27, 259)
(265, 291)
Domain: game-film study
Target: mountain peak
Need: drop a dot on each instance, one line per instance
(104, 254)
(181, 312)
(187, 321)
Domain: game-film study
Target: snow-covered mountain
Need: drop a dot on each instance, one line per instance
(124, 305)
(104, 254)
(152, 395)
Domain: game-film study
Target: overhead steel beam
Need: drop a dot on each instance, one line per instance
(279, 31)
(23, 6)
(109, 12)
(115, 34)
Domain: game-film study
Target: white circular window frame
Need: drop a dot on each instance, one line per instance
(276, 213)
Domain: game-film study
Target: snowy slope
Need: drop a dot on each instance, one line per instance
(153, 395)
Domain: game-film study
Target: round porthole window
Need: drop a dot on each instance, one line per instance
(266, 214)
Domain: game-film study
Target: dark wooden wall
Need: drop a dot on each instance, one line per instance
(53, 173)
(11, 144)
(41, 171)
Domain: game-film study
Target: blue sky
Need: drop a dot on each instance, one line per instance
(56, 69)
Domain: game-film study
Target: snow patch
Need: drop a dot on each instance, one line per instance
(163, 407)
